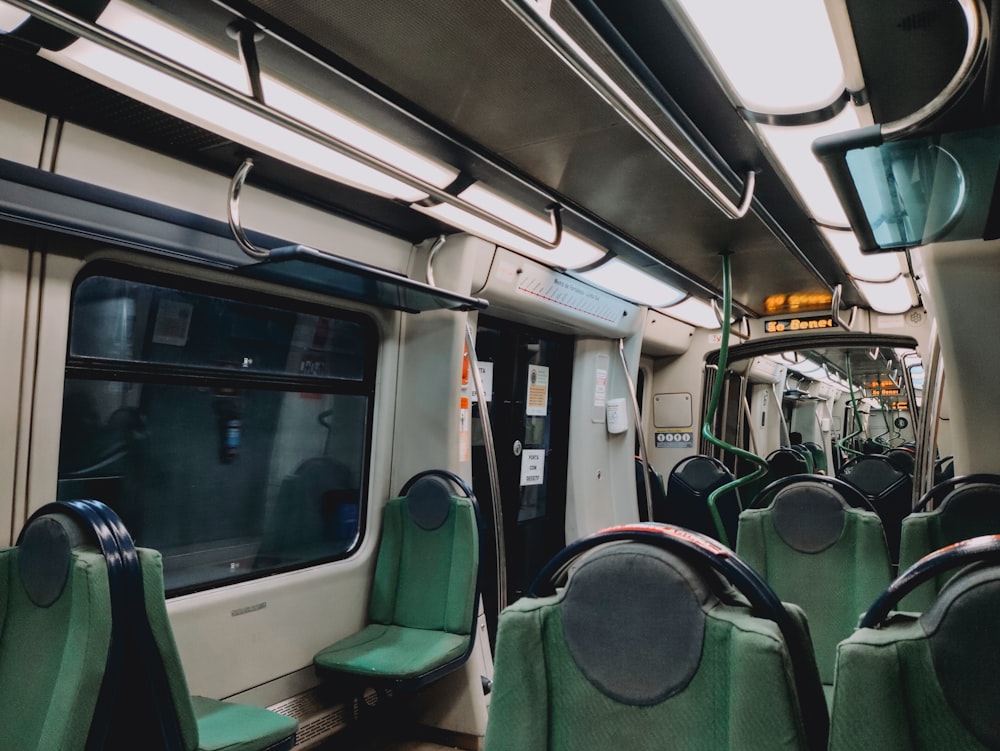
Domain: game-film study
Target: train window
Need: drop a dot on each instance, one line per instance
(231, 433)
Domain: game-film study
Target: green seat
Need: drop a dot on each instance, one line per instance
(423, 601)
(644, 649)
(970, 509)
(921, 683)
(818, 551)
(55, 636)
(205, 724)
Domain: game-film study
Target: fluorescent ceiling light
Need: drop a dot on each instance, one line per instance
(793, 148)
(230, 121)
(779, 55)
(572, 252)
(627, 281)
(877, 267)
(695, 312)
(888, 297)
(11, 17)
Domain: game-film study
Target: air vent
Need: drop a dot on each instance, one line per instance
(318, 720)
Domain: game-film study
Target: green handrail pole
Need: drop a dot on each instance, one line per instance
(713, 405)
(854, 406)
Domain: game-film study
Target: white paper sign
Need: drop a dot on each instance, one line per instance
(532, 467)
(601, 387)
(486, 376)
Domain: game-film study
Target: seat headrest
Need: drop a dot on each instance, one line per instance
(44, 556)
(873, 475)
(700, 475)
(809, 516)
(429, 501)
(965, 646)
(634, 622)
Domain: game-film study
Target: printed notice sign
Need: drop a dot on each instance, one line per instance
(173, 319)
(537, 400)
(486, 375)
(600, 387)
(532, 467)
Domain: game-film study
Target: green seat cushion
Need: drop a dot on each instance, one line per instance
(392, 651)
(224, 726)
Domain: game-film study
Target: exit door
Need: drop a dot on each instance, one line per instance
(527, 373)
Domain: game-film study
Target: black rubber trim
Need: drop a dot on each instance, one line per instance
(854, 497)
(942, 489)
(85, 514)
(984, 548)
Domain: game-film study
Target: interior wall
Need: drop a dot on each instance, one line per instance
(962, 279)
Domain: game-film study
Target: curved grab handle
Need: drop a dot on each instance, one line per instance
(233, 212)
(847, 325)
(984, 548)
(975, 54)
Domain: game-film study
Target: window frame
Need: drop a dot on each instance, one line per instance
(88, 368)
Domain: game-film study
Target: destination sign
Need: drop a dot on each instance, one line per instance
(800, 323)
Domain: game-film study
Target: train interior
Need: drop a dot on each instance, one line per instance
(468, 375)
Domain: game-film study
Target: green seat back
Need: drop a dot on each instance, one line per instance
(639, 651)
(205, 724)
(426, 572)
(918, 684)
(968, 511)
(55, 633)
(821, 554)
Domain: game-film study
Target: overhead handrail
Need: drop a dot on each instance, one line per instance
(637, 414)
(847, 325)
(121, 45)
(713, 404)
(927, 417)
(489, 446)
(557, 40)
(973, 57)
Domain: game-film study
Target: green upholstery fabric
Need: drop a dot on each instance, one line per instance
(422, 598)
(426, 578)
(224, 726)
(390, 651)
(741, 696)
(52, 659)
(969, 511)
(833, 586)
(893, 693)
(205, 724)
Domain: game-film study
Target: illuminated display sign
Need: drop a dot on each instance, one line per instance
(884, 388)
(802, 323)
(798, 301)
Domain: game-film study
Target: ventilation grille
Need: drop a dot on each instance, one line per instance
(318, 720)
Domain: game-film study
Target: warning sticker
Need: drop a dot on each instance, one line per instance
(537, 400)
(675, 440)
